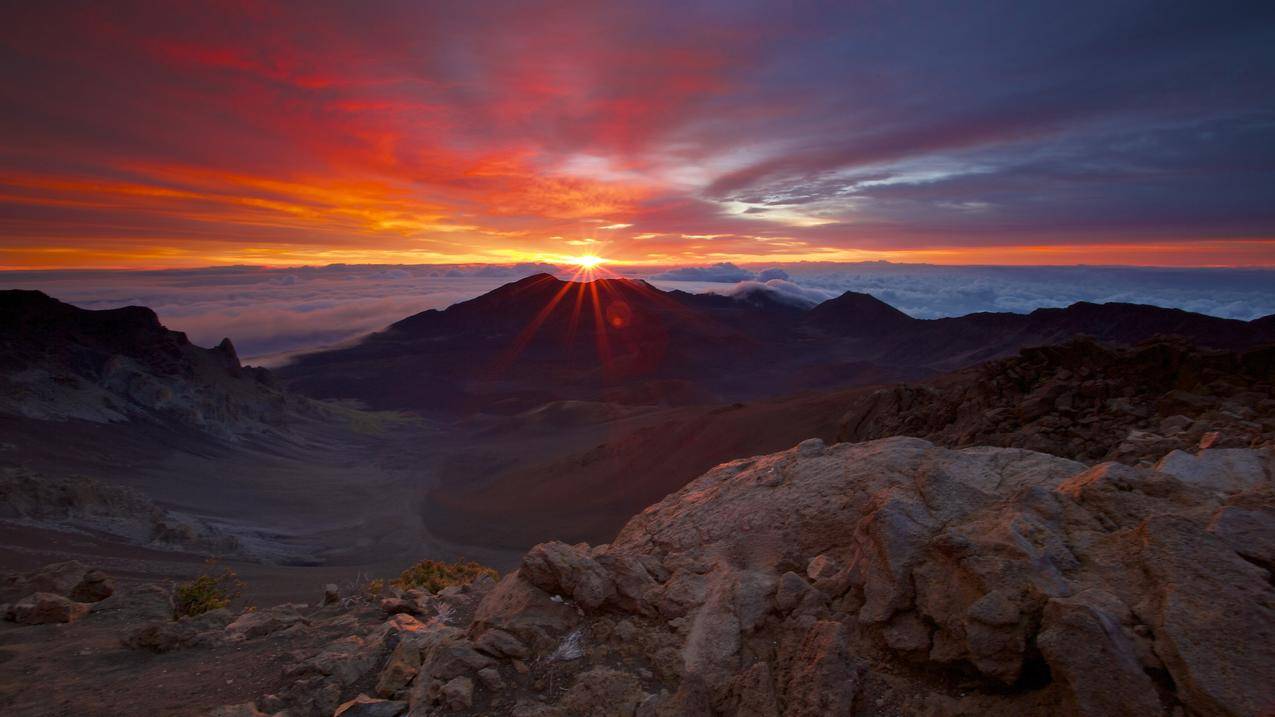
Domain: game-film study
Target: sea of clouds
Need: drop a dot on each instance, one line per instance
(271, 313)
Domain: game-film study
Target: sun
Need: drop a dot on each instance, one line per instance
(587, 261)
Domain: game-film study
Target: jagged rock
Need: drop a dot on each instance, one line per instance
(525, 611)
(499, 643)
(263, 622)
(331, 594)
(566, 570)
(1085, 644)
(458, 693)
(44, 608)
(364, 706)
(400, 669)
(1086, 401)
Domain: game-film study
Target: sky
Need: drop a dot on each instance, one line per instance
(273, 314)
(149, 135)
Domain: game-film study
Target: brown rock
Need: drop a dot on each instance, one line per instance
(44, 608)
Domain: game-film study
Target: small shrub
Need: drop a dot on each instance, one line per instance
(434, 575)
(206, 592)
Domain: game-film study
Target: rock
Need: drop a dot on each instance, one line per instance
(399, 670)
(562, 569)
(458, 693)
(44, 608)
(70, 579)
(499, 643)
(364, 706)
(452, 657)
(1203, 601)
(1249, 531)
(1086, 647)
(525, 611)
(491, 679)
(397, 606)
(140, 603)
(1225, 470)
(345, 660)
(257, 623)
(331, 594)
(754, 693)
(823, 681)
(169, 635)
(95, 586)
(603, 692)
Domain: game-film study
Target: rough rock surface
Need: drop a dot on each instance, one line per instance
(1087, 401)
(888, 577)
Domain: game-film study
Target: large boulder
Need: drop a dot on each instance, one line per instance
(800, 582)
(43, 608)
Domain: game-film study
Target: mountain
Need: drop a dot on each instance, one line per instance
(61, 361)
(622, 341)
(120, 437)
(541, 339)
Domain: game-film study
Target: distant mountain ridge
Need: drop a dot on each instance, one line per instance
(541, 339)
(59, 361)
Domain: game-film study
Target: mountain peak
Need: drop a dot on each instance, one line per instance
(856, 313)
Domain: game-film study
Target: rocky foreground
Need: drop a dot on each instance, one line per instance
(891, 577)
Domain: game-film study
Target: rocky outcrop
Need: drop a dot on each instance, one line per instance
(888, 577)
(59, 362)
(1087, 401)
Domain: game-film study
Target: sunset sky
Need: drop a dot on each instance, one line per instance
(651, 133)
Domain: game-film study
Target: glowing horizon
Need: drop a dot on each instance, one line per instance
(137, 137)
